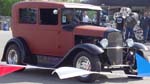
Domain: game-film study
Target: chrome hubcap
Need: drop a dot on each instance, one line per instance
(83, 63)
(12, 57)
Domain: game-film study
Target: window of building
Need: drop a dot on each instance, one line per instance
(48, 16)
(27, 15)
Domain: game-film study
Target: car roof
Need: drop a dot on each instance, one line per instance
(62, 4)
(83, 6)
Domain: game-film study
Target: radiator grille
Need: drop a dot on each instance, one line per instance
(115, 55)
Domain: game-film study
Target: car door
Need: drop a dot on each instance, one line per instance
(46, 38)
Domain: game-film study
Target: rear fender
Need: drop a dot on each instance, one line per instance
(25, 52)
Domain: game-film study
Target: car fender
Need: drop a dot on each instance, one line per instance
(91, 48)
(140, 46)
(141, 49)
(22, 46)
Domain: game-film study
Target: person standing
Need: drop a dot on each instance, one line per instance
(120, 23)
(94, 20)
(85, 17)
(5, 26)
(129, 24)
(144, 24)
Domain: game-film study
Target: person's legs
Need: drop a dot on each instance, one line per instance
(123, 34)
(127, 33)
(148, 35)
(145, 33)
(131, 33)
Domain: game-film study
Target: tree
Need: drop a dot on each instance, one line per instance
(5, 7)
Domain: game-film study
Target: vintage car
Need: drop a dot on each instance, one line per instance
(52, 34)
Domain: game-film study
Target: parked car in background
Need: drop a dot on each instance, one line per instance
(52, 34)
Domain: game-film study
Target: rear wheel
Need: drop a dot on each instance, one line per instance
(86, 61)
(13, 55)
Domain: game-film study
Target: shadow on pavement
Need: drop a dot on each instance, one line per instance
(38, 76)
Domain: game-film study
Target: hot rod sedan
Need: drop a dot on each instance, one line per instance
(53, 34)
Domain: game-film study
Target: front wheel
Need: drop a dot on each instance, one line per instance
(13, 55)
(86, 61)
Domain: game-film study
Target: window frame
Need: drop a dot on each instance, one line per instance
(74, 9)
(57, 16)
(26, 22)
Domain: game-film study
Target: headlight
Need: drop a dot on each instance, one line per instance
(130, 42)
(104, 43)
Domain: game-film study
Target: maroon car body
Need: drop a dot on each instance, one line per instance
(43, 37)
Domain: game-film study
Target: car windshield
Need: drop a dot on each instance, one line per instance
(79, 16)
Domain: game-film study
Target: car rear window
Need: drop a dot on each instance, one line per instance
(27, 15)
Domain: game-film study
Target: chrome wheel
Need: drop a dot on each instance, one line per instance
(12, 57)
(86, 61)
(83, 63)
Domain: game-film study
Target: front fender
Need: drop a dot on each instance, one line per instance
(90, 48)
(140, 46)
(141, 49)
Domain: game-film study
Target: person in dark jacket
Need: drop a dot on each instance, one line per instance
(144, 24)
(129, 24)
(120, 23)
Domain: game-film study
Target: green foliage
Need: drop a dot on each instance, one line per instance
(5, 7)
(91, 13)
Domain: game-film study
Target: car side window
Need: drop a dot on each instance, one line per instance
(27, 15)
(48, 16)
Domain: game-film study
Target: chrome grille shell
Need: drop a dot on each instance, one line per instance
(114, 54)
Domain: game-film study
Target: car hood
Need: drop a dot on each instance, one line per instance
(87, 30)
